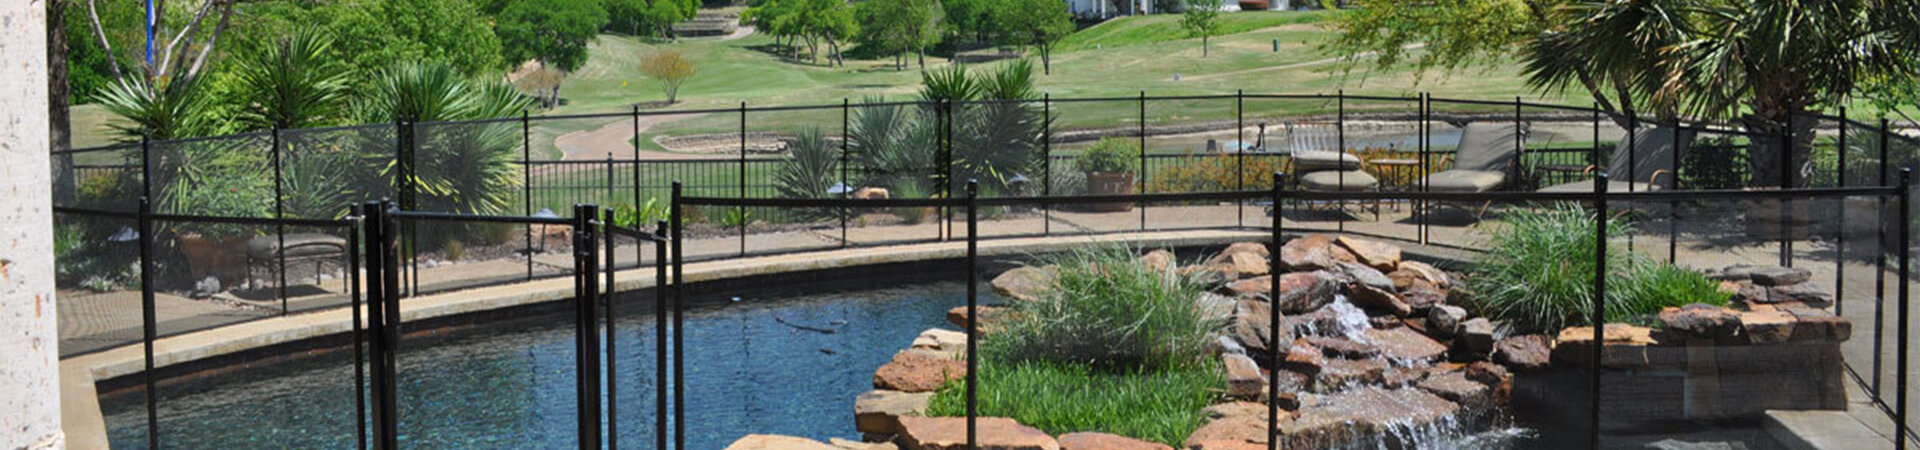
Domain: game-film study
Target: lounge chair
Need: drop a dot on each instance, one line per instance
(1484, 161)
(1323, 166)
(1651, 154)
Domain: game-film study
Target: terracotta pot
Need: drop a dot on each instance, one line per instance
(1110, 183)
(224, 258)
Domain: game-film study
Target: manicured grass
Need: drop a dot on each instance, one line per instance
(1166, 27)
(1161, 406)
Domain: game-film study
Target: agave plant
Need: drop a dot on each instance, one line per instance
(809, 171)
(167, 111)
(457, 167)
(292, 83)
(893, 145)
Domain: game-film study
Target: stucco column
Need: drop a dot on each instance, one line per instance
(29, 354)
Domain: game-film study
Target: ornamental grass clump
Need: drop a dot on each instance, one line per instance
(1110, 312)
(1539, 268)
(1117, 347)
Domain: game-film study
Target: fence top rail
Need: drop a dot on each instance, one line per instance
(122, 146)
(636, 234)
(250, 220)
(731, 158)
(1510, 197)
(848, 103)
(459, 217)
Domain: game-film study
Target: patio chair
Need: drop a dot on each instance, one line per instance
(263, 252)
(1484, 161)
(1652, 155)
(1321, 165)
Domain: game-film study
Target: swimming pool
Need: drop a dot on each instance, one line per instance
(751, 368)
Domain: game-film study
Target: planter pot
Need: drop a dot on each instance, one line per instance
(1109, 183)
(224, 258)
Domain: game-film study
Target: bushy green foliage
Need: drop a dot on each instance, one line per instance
(1161, 406)
(809, 171)
(1539, 268)
(1116, 346)
(1109, 155)
(1110, 312)
(555, 32)
(292, 83)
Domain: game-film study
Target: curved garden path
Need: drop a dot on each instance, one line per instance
(614, 138)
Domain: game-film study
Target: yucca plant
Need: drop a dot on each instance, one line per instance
(168, 111)
(809, 171)
(293, 83)
(893, 146)
(458, 167)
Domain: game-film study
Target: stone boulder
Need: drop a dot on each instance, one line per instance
(777, 442)
(1767, 327)
(1702, 321)
(1232, 433)
(1338, 374)
(1313, 252)
(1025, 283)
(1422, 296)
(943, 342)
(1362, 274)
(988, 315)
(1304, 358)
(1339, 347)
(1625, 345)
(1243, 376)
(1444, 321)
(1305, 292)
(857, 445)
(1251, 326)
(1104, 441)
(1778, 276)
(1231, 410)
(879, 411)
(1256, 248)
(871, 193)
(910, 372)
(1247, 264)
(1525, 353)
(1346, 418)
(1819, 325)
(1426, 272)
(1486, 373)
(1215, 306)
(1378, 299)
(1809, 294)
(1476, 336)
(1380, 255)
(1455, 387)
(950, 433)
(1404, 345)
(1158, 260)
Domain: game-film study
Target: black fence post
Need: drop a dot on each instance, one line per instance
(973, 311)
(1900, 357)
(149, 326)
(279, 229)
(846, 189)
(611, 190)
(1419, 209)
(676, 216)
(356, 227)
(1880, 262)
(1141, 183)
(1340, 152)
(1840, 238)
(1599, 315)
(381, 283)
(1633, 147)
(1786, 205)
(1240, 155)
(586, 345)
(526, 183)
(660, 336)
(1046, 162)
(1673, 207)
(1273, 313)
(636, 170)
(612, 353)
(742, 172)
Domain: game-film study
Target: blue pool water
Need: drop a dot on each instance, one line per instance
(510, 384)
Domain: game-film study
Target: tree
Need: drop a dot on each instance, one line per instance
(1039, 23)
(544, 83)
(293, 83)
(670, 69)
(1758, 61)
(811, 21)
(1201, 19)
(971, 18)
(644, 17)
(895, 27)
(553, 32)
(381, 33)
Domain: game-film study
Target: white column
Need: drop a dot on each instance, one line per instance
(29, 353)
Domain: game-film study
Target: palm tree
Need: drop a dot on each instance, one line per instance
(1765, 63)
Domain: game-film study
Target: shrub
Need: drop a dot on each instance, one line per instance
(1220, 172)
(1109, 312)
(1539, 269)
(1109, 155)
(809, 171)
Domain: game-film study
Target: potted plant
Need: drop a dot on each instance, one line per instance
(1108, 173)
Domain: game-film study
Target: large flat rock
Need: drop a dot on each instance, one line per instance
(950, 433)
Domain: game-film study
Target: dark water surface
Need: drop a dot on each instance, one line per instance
(510, 384)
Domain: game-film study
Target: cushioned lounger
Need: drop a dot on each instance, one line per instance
(1486, 155)
(1651, 156)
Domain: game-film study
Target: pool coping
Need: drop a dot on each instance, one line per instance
(85, 426)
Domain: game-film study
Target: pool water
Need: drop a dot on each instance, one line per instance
(751, 368)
